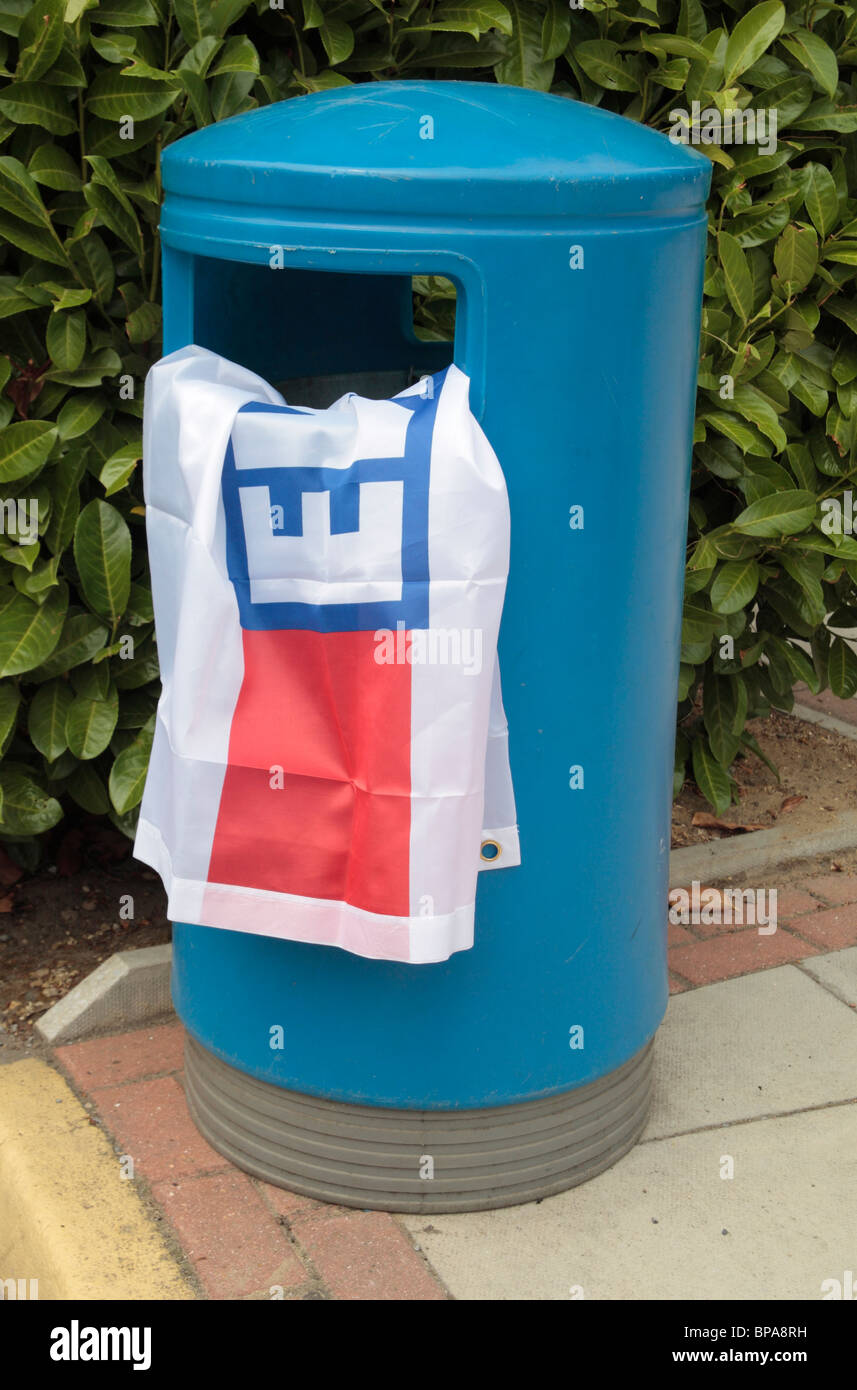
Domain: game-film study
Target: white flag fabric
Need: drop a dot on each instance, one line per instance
(330, 760)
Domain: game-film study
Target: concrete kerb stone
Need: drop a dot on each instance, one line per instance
(131, 987)
(826, 721)
(716, 860)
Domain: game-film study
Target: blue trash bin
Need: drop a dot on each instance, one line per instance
(575, 239)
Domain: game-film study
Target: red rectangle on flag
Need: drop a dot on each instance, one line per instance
(320, 768)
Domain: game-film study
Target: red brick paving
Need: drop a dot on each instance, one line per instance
(790, 903)
(832, 930)
(818, 915)
(150, 1121)
(285, 1203)
(235, 1243)
(126, 1057)
(718, 927)
(793, 901)
(836, 888)
(366, 1255)
(739, 953)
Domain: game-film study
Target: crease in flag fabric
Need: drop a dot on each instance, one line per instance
(330, 761)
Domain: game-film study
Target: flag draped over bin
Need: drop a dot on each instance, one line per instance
(330, 760)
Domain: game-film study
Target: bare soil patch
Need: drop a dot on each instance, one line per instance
(88, 899)
(818, 777)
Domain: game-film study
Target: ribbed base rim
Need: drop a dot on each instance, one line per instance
(417, 1160)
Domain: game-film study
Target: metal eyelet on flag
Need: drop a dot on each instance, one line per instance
(490, 851)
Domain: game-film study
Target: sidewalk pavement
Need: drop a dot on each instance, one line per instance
(742, 1186)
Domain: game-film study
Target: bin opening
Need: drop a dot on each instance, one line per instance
(316, 334)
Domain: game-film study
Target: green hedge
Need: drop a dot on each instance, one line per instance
(79, 291)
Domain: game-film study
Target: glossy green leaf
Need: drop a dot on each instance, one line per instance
(753, 33)
(47, 716)
(128, 773)
(556, 29)
(126, 14)
(144, 323)
(524, 64)
(338, 40)
(35, 103)
(796, 257)
(119, 467)
(90, 724)
(720, 709)
(79, 414)
(66, 339)
(602, 61)
(95, 266)
(197, 95)
(65, 496)
(122, 222)
(200, 17)
(10, 703)
(798, 662)
(66, 298)
(710, 777)
(476, 19)
(20, 194)
(87, 790)
(822, 201)
(24, 448)
(38, 242)
(40, 39)
(81, 638)
(735, 585)
(816, 56)
(738, 281)
(138, 671)
(114, 97)
(102, 553)
(781, 514)
(228, 93)
(26, 808)
(12, 301)
(29, 631)
(842, 669)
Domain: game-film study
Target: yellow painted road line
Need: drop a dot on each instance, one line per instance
(67, 1218)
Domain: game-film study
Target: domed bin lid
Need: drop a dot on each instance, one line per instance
(433, 148)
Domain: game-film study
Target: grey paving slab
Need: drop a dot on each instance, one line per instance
(837, 973)
(764, 1044)
(653, 1226)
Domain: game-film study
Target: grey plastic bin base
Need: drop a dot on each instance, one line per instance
(369, 1156)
